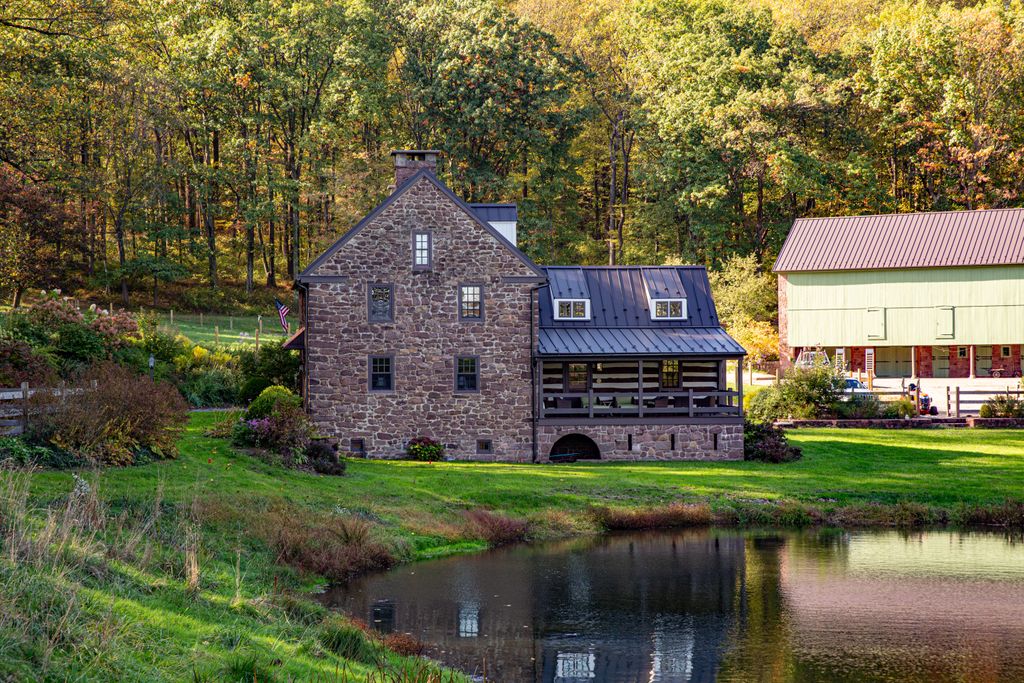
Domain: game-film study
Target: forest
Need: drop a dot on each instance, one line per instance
(212, 144)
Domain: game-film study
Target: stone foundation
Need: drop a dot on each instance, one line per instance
(651, 441)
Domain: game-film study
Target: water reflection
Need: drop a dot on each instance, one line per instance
(717, 605)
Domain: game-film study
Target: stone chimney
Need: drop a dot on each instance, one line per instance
(409, 161)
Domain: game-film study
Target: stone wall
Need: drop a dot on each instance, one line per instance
(925, 364)
(425, 337)
(651, 441)
(959, 367)
(1009, 365)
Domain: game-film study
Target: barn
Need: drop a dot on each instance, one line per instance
(937, 294)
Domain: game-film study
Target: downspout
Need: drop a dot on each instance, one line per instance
(533, 369)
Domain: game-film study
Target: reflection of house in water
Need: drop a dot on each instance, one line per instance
(637, 608)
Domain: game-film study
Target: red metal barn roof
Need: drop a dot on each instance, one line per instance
(905, 240)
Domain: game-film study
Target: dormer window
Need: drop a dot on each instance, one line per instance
(666, 295)
(572, 309)
(670, 309)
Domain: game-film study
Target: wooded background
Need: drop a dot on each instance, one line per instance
(225, 142)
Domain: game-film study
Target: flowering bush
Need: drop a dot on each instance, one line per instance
(279, 425)
(110, 415)
(424, 448)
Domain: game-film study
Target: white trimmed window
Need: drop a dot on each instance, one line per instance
(572, 309)
(422, 258)
(669, 309)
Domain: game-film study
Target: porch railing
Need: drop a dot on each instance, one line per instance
(681, 403)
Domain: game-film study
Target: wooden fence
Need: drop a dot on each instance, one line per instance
(964, 401)
(16, 405)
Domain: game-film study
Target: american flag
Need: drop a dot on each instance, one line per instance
(282, 311)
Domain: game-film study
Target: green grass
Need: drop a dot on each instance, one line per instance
(159, 629)
(223, 329)
(933, 467)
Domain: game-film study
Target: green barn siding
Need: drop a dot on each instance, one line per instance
(832, 308)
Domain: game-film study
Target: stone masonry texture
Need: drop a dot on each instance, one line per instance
(425, 337)
(651, 442)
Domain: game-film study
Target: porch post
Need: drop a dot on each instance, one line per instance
(739, 387)
(913, 362)
(590, 389)
(970, 355)
(640, 386)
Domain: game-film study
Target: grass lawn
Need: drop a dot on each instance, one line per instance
(223, 329)
(933, 467)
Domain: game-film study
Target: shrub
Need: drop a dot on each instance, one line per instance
(673, 515)
(265, 403)
(242, 434)
(251, 388)
(497, 530)
(332, 546)
(898, 409)
(813, 392)
(767, 443)
(286, 431)
(1002, 405)
(767, 405)
(404, 644)
(859, 407)
(347, 641)
(17, 451)
(323, 459)
(424, 448)
(112, 422)
(211, 387)
(271, 363)
(19, 362)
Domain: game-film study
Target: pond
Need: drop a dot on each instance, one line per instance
(716, 605)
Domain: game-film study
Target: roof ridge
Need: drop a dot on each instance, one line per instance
(906, 213)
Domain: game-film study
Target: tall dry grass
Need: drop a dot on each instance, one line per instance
(669, 516)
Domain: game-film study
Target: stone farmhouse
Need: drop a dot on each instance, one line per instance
(425, 320)
(906, 295)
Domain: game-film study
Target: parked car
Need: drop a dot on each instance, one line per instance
(855, 387)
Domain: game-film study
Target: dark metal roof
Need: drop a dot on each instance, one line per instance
(621, 322)
(496, 213)
(641, 341)
(664, 283)
(567, 283)
(905, 240)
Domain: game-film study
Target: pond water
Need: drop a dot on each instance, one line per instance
(716, 605)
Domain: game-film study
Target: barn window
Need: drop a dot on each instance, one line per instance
(874, 321)
(944, 322)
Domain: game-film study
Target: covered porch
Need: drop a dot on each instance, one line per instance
(666, 387)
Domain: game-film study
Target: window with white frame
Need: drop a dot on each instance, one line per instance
(669, 309)
(572, 309)
(421, 248)
(471, 302)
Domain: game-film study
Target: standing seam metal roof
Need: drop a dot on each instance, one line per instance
(909, 240)
(620, 322)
